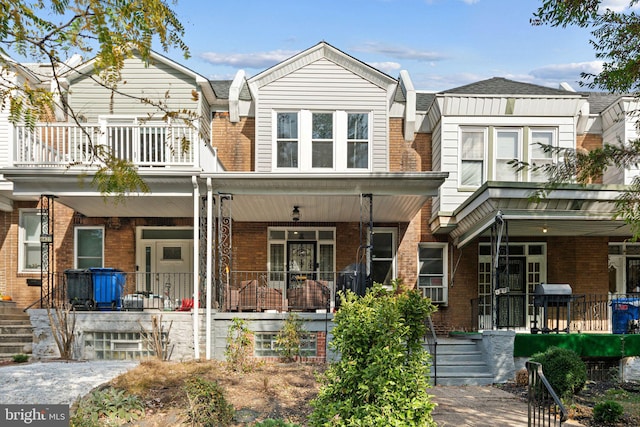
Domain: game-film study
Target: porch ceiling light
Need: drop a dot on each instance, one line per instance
(295, 214)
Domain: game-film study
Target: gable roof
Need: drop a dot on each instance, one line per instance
(502, 86)
(323, 50)
(203, 82)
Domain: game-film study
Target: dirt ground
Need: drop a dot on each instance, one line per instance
(276, 391)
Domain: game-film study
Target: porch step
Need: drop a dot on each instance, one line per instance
(460, 362)
(16, 333)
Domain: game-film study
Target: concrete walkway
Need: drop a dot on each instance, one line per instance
(479, 406)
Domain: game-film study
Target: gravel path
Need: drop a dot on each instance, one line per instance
(56, 382)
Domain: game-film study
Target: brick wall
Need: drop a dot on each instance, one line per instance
(582, 262)
(234, 141)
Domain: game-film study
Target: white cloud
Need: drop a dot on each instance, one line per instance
(387, 67)
(617, 5)
(400, 52)
(569, 71)
(470, 1)
(248, 60)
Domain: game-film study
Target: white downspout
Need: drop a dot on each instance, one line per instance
(196, 268)
(209, 266)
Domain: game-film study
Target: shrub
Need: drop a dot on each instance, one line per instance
(382, 375)
(238, 351)
(608, 411)
(522, 377)
(107, 407)
(207, 405)
(289, 337)
(564, 370)
(20, 358)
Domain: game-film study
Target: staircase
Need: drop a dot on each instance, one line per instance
(459, 361)
(16, 336)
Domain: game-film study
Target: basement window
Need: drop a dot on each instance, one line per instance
(265, 345)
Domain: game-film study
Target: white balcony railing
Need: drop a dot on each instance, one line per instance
(145, 145)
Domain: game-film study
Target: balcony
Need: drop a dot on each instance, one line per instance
(53, 145)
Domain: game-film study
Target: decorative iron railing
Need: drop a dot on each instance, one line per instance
(145, 145)
(431, 340)
(606, 313)
(544, 407)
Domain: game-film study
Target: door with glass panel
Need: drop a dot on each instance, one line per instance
(301, 258)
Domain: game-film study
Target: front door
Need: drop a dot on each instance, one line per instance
(301, 260)
(511, 303)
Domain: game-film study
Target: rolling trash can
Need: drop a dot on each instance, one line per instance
(108, 286)
(79, 287)
(623, 311)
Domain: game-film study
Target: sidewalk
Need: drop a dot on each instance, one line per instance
(479, 406)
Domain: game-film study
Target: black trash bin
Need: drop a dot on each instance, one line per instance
(80, 289)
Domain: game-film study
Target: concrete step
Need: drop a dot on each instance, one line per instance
(9, 307)
(9, 348)
(15, 329)
(460, 362)
(11, 319)
(16, 338)
(462, 378)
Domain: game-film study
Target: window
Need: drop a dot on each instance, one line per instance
(472, 157)
(358, 141)
(538, 155)
(383, 254)
(287, 140)
(432, 267)
(507, 144)
(315, 140)
(322, 140)
(89, 250)
(265, 344)
(29, 240)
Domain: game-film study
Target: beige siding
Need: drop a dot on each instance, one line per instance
(322, 85)
(157, 82)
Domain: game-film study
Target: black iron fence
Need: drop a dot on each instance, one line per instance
(617, 313)
(544, 406)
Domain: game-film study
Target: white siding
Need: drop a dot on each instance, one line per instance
(446, 148)
(5, 141)
(154, 82)
(322, 85)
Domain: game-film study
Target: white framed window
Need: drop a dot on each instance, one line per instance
(537, 154)
(508, 147)
(89, 247)
(432, 271)
(308, 140)
(472, 157)
(383, 255)
(29, 252)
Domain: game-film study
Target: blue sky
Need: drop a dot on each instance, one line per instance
(441, 43)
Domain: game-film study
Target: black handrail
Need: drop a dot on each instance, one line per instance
(544, 406)
(432, 343)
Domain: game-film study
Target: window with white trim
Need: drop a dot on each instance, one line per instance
(508, 147)
(308, 140)
(383, 255)
(472, 157)
(29, 253)
(432, 271)
(537, 154)
(89, 247)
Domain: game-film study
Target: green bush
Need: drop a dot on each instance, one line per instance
(289, 337)
(564, 370)
(608, 411)
(207, 404)
(107, 407)
(238, 351)
(275, 423)
(20, 358)
(382, 375)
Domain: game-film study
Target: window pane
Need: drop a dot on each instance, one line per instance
(382, 245)
(32, 256)
(89, 247)
(382, 272)
(287, 126)
(287, 154)
(471, 173)
(322, 154)
(31, 223)
(358, 125)
(507, 145)
(472, 145)
(322, 126)
(537, 138)
(357, 155)
(505, 172)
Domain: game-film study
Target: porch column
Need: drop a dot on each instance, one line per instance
(224, 245)
(208, 267)
(196, 268)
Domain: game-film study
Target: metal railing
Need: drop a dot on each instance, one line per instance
(589, 313)
(544, 406)
(432, 345)
(145, 145)
(112, 289)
